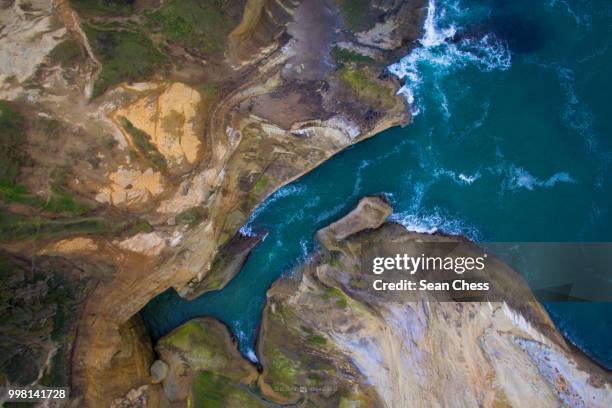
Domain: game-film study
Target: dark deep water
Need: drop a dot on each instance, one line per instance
(511, 142)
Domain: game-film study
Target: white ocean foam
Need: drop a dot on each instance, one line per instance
(562, 177)
(469, 179)
(247, 231)
(459, 178)
(328, 214)
(437, 50)
(250, 354)
(518, 177)
(286, 191)
(436, 220)
(358, 179)
(243, 338)
(443, 103)
(418, 218)
(304, 252)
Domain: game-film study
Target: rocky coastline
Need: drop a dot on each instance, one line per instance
(325, 340)
(138, 138)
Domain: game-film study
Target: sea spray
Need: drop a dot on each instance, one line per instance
(442, 49)
(285, 191)
(425, 220)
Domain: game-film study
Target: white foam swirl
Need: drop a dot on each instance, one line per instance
(459, 178)
(518, 177)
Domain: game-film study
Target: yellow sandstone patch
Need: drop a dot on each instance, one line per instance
(71, 245)
(131, 187)
(173, 121)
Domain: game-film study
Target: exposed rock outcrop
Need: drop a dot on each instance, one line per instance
(29, 33)
(159, 371)
(201, 353)
(371, 212)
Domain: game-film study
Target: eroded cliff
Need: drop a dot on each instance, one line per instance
(144, 133)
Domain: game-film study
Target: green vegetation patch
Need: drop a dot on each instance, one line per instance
(198, 24)
(66, 53)
(55, 376)
(366, 88)
(104, 7)
(35, 307)
(337, 295)
(282, 371)
(353, 401)
(16, 227)
(261, 185)
(203, 345)
(61, 200)
(192, 216)
(343, 56)
(185, 335)
(335, 259)
(12, 135)
(138, 226)
(142, 141)
(13, 157)
(14, 193)
(213, 390)
(125, 55)
(357, 14)
(316, 340)
(209, 91)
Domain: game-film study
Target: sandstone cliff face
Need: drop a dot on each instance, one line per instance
(158, 143)
(172, 120)
(327, 340)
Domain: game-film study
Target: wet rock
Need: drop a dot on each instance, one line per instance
(371, 212)
(159, 371)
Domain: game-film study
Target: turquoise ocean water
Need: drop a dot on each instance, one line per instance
(511, 141)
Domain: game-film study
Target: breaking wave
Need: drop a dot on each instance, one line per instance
(423, 219)
(286, 191)
(443, 49)
(435, 220)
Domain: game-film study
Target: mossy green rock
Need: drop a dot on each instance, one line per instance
(205, 368)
